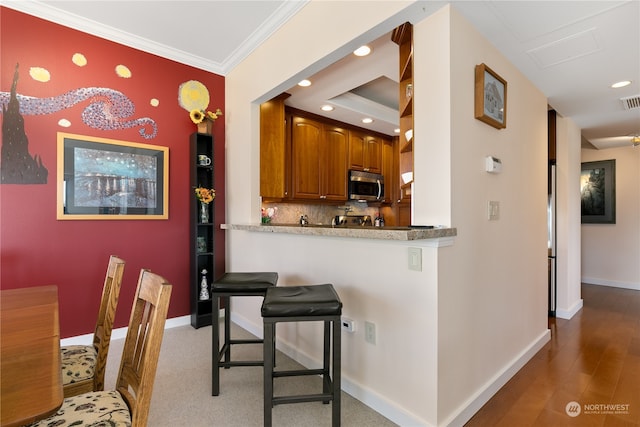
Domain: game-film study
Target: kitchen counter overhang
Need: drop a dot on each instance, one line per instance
(380, 233)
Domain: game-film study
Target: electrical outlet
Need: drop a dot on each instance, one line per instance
(348, 324)
(370, 332)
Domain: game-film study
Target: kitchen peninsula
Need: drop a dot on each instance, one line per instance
(380, 233)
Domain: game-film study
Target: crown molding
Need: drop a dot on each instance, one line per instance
(53, 14)
(287, 9)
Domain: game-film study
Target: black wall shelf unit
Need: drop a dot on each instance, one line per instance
(201, 233)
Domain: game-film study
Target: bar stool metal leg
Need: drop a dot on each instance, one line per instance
(337, 368)
(215, 346)
(227, 330)
(269, 343)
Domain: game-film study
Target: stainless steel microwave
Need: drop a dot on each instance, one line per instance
(365, 185)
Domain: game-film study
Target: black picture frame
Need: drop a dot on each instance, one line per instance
(490, 103)
(101, 178)
(598, 192)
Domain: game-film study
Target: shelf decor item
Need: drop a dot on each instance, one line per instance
(490, 97)
(204, 286)
(202, 244)
(205, 196)
(267, 214)
(204, 120)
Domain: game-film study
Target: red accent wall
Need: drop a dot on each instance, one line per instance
(36, 248)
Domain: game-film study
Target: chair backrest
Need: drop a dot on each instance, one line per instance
(142, 345)
(106, 315)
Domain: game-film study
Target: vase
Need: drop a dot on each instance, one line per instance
(204, 287)
(205, 127)
(204, 213)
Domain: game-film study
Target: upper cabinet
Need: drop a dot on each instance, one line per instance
(275, 153)
(307, 157)
(365, 152)
(319, 156)
(403, 37)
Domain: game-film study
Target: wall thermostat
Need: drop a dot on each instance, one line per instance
(493, 164)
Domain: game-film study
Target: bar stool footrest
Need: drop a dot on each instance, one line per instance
(241, 363)
(280, 400)
(296, 373)
(253, 341)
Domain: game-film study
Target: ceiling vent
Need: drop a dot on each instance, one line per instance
(631, 102)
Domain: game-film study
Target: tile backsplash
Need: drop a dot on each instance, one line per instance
(290, 213)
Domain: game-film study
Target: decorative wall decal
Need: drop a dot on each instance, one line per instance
(123, 71)
(79, 59)
(16, 164)
(193, 95)
(108, 109)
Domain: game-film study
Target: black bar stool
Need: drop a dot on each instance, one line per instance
(303, 304)
(233, 285)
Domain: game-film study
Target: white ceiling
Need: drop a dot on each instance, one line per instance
(571, 50)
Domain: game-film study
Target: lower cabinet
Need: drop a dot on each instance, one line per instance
(201, 230)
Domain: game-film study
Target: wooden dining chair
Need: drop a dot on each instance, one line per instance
(128, 404)
(83, 366)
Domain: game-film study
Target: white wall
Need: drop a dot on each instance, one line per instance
(447, 336)
(492, 283)
(569, 300)
(397, 376)
(610, 252)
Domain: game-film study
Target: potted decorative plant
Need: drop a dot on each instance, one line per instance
(204, 119)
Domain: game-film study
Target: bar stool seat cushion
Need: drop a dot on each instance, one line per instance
(240, 282)
(295, 301)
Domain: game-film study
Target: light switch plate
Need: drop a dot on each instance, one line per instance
(493, 210)
(415, 259)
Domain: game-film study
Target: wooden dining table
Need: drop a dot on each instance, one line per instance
(30, 375)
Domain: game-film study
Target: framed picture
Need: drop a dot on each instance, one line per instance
(106, 179)
(490, 97)
(598, 192)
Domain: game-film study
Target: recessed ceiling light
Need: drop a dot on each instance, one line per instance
(396, 130)
(327, 108)
(621, 84)
(304, 83)
(362, 51)
(367, 120)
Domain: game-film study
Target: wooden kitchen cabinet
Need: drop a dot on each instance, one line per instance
(365, 152)
(319, 160)
(389, 170)
(275, 150)
(403, 36)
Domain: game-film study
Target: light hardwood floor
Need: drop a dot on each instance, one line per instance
(592, 359)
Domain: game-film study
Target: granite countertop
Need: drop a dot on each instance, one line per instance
(366, 232)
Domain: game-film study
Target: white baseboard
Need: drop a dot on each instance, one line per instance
(370, 398)
(612, 283)
(571, 311)
(473, 405)
(121, 333)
